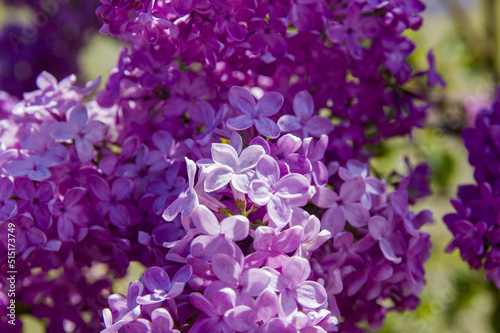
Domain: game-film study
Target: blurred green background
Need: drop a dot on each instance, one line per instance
(464, 36)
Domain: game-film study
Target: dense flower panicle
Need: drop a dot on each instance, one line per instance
(475, 223)
(227, 155)
(351, 89)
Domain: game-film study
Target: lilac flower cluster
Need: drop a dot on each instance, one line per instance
(50, 40)
(251, 258)
(350, 55)
(475, 225)
(226, 154)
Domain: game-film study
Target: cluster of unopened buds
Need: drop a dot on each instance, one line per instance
(227, 154)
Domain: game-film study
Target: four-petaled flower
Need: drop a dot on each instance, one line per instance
(255, 113)
(84, 132)
(217, 237)
(70, 211)
(278, 194)
(294, 288)
(305, 120)
(111, 200)
(228, 167)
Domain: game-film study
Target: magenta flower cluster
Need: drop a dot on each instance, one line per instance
(475, 224)
(226, 154)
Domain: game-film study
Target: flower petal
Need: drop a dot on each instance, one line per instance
(162, 320)
(65, 228)
(78, 117)
(269, 104)
(356, 214)
(259, 192)
(99, 187)
(311, 294)
(240, 123)
(388, 251)
(249, 158)
(242, 100)
(268, 170)
(218, 177)
(267, 127)
(240, 318)
(267, 305)
(205, 221)
(289, 240)
(378, 227)
(289, 123)
(121, 188)
(225, 154)
(333, 220)
(303, 105)
(62, 131)
(318, 126)
(73, 196)
(235, 227)
(325, 198)
(292, 186)
(85, 149)
(227, 269)
(254, 281)
(119, 215)
(279, 211)
(241, 183)
(156, 280)
(352, 190)
(296, 270)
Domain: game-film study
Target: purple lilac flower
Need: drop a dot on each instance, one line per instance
(36, 167)
(161, 322)
(255, 113)
(69, 212)
(344, 205)
(8, 206)
(271, 246)
(381, 230)
(374, 186)
(187, 59)
(230, 168)
(110, 201)
(289, 160)
(474, 224)
(268, 38)
(150, 25)
(217, 237)
(214, 310)
(158, 282)
(35, 201)
(122, 310)
(279, 195)
(304, 120)
(315, 152)
(187, 96)
(187, 201)
(84, 133)
(293, 287)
